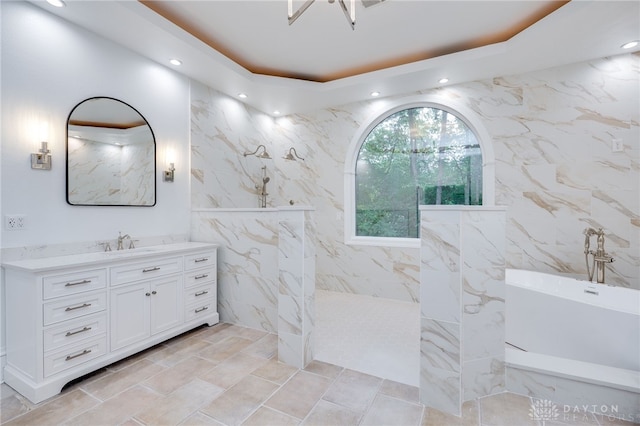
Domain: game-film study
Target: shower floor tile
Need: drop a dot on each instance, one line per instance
(372, 335)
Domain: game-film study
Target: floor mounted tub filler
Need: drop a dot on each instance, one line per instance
(573, 342)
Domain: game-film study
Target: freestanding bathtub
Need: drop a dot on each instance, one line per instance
(573, 330)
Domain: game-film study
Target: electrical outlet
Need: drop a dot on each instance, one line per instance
(15, 222)
(617, 145)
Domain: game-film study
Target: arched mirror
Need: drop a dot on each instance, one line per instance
(111, 155)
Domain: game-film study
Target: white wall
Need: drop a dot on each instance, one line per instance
(48, 66)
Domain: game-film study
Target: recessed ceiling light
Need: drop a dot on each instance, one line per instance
(56, 3)
(242, 95)
(175, 62)
(630, 45)
(443, 80)
(375, 94)
(276, 112)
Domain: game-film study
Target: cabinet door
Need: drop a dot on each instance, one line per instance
(166, 304)
(130, 321)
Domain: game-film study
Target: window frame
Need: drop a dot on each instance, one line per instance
(471, 119)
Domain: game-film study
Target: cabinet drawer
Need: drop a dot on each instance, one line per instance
(72, 283)
(200, 277)
(145, 270)
(199, 294)
(73, 307)
(200, 260)
(74, 331)
(68, 357)
(203, 309)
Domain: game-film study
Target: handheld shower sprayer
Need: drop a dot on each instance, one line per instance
(263, 188)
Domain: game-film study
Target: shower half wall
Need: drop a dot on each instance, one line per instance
(462, 304)
(266, 272)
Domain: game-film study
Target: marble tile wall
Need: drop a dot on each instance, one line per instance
(96, 181)
(102, 173)
(462, 305)
(551, 132)
(223, 130)
(266, 272)
(296, 292)
(248, 275)
(570, 395)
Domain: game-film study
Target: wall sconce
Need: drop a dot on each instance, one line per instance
(264, 154)
(291, 153)
(41, 160)
(169, 173)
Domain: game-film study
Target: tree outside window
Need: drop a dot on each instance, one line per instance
(414, 157)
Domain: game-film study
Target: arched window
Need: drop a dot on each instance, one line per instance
(411, 156)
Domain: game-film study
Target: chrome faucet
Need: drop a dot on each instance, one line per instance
(121, 238)
(600, 257)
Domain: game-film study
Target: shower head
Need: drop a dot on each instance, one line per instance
(266, 179)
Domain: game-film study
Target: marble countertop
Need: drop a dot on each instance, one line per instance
(104, 258)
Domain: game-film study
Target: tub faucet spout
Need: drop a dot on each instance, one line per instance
(600, 256)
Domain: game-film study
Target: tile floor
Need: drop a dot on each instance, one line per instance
(369, 334)
(229, 375)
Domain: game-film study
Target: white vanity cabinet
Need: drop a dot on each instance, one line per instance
(70, 315)
(143, 309)
(200, 289)
(145, 299)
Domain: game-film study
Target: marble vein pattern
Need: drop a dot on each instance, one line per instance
(440, 344)
(64, 249)
(247, 264)
(551, 132)
(103, 173)
(555, 173)
(296, 296)
(483, 286)
(223, 130)
(461, 355)
(266, 272)
(572, 393)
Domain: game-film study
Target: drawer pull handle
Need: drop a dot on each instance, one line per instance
(151, 269)
(204, 308)
(77, 283)
(71, 333)
(84, 305)
(204, 259)
(203, 292)
(70, 357)
(199, 277)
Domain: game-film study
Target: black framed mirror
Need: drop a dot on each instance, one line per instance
(111, 155)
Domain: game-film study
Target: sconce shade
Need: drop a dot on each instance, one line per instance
(169, 173)
(42, 159)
